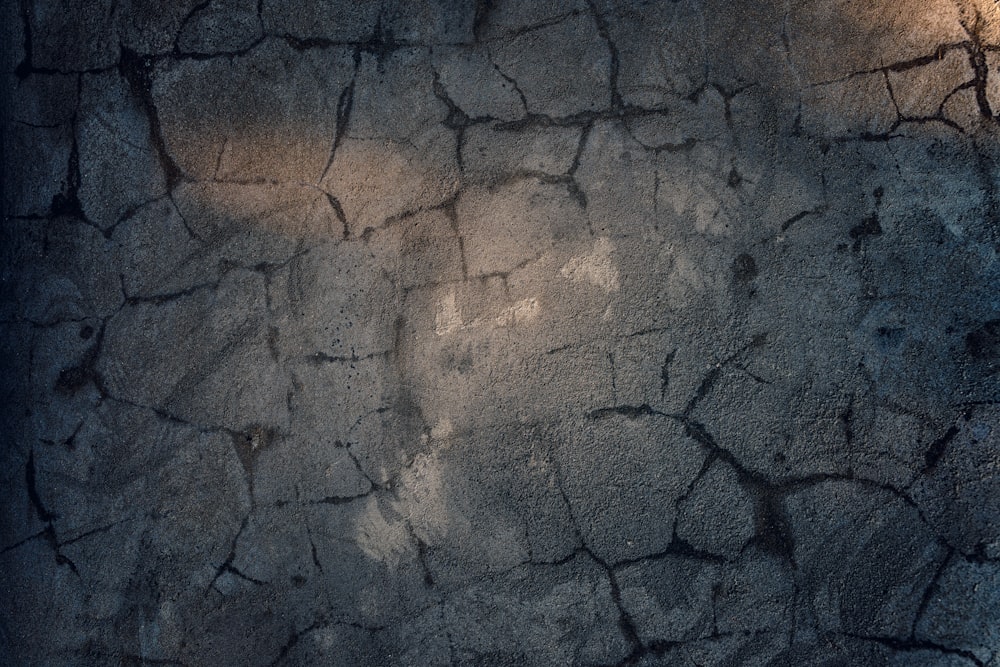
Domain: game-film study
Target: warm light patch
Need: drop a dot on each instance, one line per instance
(448, 317)
(596, 267)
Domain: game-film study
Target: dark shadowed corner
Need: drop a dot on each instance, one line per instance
(573, 332)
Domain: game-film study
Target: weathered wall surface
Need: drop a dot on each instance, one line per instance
(543, 332)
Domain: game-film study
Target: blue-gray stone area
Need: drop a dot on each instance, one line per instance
(500, 332)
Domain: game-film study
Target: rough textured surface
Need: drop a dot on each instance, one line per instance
(538, 332)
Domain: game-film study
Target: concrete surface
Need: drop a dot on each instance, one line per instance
(538, 332)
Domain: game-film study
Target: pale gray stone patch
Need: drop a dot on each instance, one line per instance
(492, 153)
(669, 598)
(475, 85)
(562, 305)
(463, 351)
(221, 26)
(717, 515)
(617, 522)
(217, 124)
(883, 596)
(562, 69)
(964, 613)
(119, 170)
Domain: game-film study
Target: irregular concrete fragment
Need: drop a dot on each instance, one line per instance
(326, 19)
(717, 516)
(670, 598)
(223, 25)
(523, 620)
(41, 155)
(492, 153)
(474, 83)
(964, 613)
(120, 170)
(661, 47)
(860, 105)
(216, 123)
(959, 490)
(341, 304)
(562, 69)
(512, 225)
(622, 476)
(72, 36)
(868, 35)
(920, 92)
(872, 584)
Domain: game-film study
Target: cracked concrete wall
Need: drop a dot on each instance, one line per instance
(580, 332)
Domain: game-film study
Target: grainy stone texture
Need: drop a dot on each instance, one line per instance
(509, 332)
